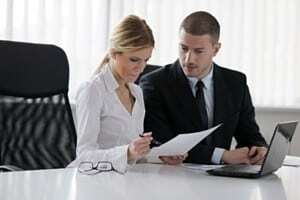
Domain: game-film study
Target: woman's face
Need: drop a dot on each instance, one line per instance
(129, 65)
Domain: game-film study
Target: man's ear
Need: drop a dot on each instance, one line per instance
(217, 47)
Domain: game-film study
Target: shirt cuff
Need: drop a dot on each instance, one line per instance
(217, 155)
(120, 161)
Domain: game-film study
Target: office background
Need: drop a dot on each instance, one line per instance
(259, 38)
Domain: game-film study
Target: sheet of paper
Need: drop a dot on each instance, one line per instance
(200, 167)
(291, 161)
(181, 144)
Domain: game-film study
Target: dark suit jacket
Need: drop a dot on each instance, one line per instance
(171, 109)
(148, 69)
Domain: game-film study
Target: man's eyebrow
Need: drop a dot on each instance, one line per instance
(200, 48)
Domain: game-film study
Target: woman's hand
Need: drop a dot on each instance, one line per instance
(139, 147)
(173, 160)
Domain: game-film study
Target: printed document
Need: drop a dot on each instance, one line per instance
(291, 161)
(200, 166)
(180, 144)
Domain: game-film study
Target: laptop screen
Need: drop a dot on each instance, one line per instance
(279, 146)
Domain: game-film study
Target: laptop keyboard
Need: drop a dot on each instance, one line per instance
(242, 168)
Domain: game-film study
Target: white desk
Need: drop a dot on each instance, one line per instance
(147, 181)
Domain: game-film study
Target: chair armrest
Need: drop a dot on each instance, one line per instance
(9, 168)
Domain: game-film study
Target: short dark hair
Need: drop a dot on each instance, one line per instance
(201, 23)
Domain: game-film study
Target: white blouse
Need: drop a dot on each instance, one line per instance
(104, 126)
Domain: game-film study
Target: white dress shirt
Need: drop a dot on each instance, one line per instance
(104, 126)
(208, 91)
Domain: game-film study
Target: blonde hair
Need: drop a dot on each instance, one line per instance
(132, 33)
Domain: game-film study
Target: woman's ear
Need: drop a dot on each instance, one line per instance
(112, 54)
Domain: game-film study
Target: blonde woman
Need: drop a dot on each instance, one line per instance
(110, 107)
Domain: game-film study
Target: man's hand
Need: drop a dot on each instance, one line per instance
(257, 154)
(173, 160)
(236, 156)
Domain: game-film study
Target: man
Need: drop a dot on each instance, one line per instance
(149, 68)
(194, 94)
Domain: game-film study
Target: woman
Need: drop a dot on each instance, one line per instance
(110, 107)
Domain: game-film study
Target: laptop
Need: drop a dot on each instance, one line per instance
(276, 153)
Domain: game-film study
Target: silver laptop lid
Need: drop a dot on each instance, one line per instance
(279, 146)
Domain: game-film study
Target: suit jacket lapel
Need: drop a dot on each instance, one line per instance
(222, 97)
(183, 93)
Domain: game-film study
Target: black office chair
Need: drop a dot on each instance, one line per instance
(36, 124)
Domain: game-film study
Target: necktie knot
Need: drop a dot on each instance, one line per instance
(200, 85)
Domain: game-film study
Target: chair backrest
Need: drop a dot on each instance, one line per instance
(36, 125)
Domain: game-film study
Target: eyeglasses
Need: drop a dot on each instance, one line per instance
(89, 168)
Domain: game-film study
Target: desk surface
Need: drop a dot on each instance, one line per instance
(147, 181)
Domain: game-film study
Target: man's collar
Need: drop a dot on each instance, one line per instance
(206, 79)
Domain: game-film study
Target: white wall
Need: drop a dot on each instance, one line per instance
(267, 119)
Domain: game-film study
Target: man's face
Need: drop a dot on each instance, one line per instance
(196, 53)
